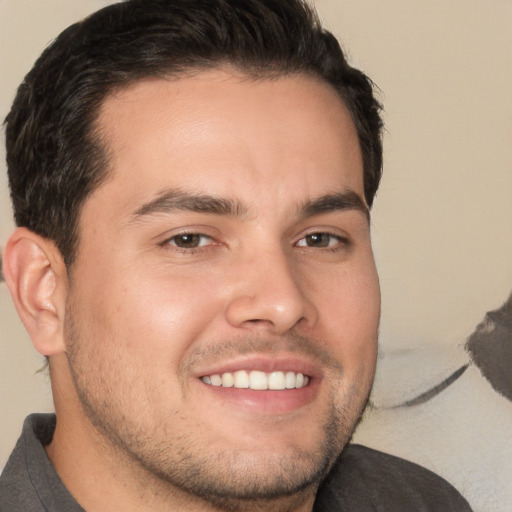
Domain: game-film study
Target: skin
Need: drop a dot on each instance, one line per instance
(267, 276)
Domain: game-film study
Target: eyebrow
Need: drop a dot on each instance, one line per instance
(346, 200)
(177, 200)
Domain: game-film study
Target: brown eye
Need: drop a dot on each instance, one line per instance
(190, 240)
(319, 240)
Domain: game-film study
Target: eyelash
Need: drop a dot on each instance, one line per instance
(341, 242)
(188, 250)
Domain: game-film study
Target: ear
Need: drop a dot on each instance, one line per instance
(37, 279)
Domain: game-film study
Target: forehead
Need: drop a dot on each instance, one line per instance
(223, 133)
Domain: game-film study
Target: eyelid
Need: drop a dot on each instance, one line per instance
(193, 229)
(207, 232)
(331, 230)
(201, 235)
(341, 239)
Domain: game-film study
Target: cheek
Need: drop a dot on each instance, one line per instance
(134, 331)
(350, 312)
(147, 311)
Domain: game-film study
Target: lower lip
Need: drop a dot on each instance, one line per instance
(266, 401)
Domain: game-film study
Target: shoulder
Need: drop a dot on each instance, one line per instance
(17, 491)
(364, 479)
(29, 483)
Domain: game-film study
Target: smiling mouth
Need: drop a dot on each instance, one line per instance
(258, 380)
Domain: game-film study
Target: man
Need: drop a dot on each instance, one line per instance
(192, 183)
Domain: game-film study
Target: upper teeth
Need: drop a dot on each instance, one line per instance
(257, 380)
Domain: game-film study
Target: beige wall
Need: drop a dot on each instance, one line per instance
(442, 222)
(443, 219)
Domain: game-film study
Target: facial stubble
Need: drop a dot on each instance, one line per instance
(229, 480)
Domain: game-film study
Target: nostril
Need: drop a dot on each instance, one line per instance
(255, 322)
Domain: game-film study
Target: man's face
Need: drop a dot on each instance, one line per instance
(230, 245)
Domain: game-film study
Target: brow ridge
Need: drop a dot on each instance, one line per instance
(346, 200)
(177, 200)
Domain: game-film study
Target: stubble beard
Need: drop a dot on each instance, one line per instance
(228, 481)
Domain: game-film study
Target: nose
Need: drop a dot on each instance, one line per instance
(269, 295)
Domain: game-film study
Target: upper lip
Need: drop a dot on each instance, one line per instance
(262, 362)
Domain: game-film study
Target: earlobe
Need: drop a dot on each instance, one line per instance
(35, 274)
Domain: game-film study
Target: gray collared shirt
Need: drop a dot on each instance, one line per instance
(362, 480)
